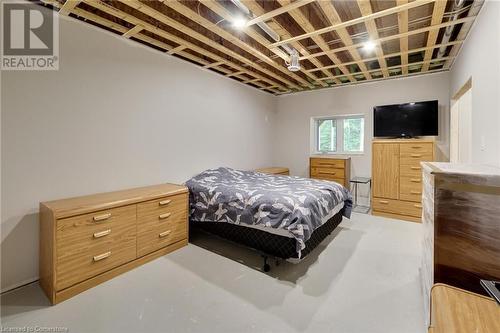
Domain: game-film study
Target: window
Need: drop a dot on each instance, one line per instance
(343, 134)
(327, 135)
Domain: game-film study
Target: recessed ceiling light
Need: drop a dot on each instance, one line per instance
(239, 22)
(369, 46)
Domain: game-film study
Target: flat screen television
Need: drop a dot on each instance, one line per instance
(406, 120)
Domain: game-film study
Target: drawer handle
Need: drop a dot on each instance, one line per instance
(102, 217)
(165, 233)
(416, 155)
(102, 233)
(417, 147)
(415, 192)
(164, 216)
(326, 173)
(384, 202)
(165, 202)
(417, 206)
(416, 168)
(415, 180)
(102, 256)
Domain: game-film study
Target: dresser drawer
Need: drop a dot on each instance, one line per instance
(411, 170)
(397, 207)
(161, 236)
(416, 148)
(160, 224)
(328, 162)
(150, 211)
(410, 189)
(90, 230)
(415, 158)
(90, 244)
(327, 173)
(341, 181)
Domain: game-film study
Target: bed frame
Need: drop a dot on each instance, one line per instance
(269, 245)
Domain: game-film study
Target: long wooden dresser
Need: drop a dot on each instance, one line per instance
(87, 240)
(333, 168)
(397, 177)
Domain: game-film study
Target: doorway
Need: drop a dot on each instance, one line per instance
(461, 125)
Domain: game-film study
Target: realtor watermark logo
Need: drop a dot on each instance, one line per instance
(30, 37)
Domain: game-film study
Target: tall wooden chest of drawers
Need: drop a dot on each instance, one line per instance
(397, 177)
(331, 168)
(87, 240)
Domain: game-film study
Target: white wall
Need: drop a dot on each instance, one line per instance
(292, 135)
(480, 59)
(114, 116)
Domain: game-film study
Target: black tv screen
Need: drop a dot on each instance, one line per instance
(406, 120)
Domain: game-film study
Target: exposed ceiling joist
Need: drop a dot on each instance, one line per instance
(134, 31)
(69, 6)
(437, 18)
(398, 67)
(305, 24)
(371, 27)
(279, 11)
(397, 36)
(334, 18)
(403, 28)
(256, 9)
(193, 15)
(397, 54)
(327, 34)
(363, 19)
(220, 10)
(133, 20)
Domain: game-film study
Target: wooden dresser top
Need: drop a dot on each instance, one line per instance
(91, 203)
(335, 157)
(460, 311)
(404, 140)
(273, 170)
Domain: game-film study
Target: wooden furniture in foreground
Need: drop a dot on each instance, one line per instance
(87, 240)
(397, 177)
(333, 168)
(458, 311)
(275, 171)
(461, 214)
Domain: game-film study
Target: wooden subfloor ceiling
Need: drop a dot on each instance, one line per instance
(337, 42)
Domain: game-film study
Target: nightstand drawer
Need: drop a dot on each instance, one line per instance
(328, 163)
(327, 173)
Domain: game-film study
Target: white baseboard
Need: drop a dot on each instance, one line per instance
(19, 284)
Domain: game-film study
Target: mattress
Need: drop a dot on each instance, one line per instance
(287, 233)
(284, 205)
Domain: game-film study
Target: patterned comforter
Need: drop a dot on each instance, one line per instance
(299, 205)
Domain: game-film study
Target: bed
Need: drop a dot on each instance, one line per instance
(283, 217)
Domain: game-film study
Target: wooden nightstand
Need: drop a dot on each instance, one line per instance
(275, 171)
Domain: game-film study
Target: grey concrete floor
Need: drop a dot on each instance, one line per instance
(362, 278)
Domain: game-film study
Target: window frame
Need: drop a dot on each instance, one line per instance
(339, 144)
